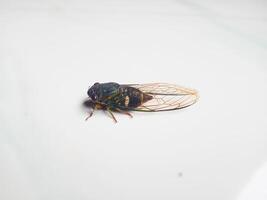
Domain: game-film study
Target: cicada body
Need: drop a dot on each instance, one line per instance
(153, 97)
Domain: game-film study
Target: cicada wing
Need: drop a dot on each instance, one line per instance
(165, 97)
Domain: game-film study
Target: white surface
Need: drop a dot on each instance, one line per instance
(256, 188)
(50, 52)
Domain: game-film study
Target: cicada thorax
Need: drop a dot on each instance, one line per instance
(126, 98)
(107, 90)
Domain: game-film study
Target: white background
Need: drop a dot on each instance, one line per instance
(52, 51)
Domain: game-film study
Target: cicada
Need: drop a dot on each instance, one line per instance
(151, 97)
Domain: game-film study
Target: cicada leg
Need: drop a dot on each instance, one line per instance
(124, 112)
(112, 116)
(90, 114)
(94, 106)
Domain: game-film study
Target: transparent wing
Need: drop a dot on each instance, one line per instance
(165, 97)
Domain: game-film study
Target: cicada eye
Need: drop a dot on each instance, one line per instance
(93, 92)
(94, 97)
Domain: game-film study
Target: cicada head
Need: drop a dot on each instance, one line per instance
(94, 92)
